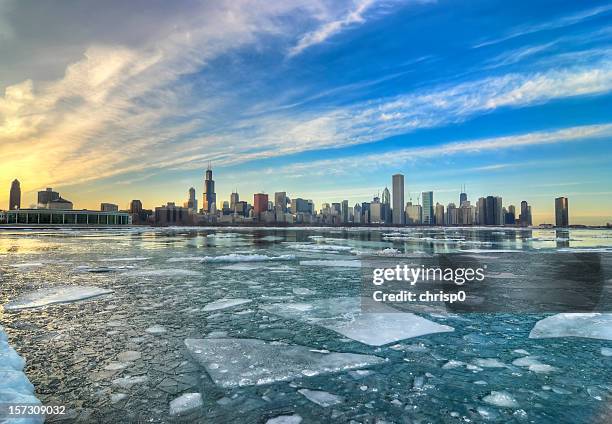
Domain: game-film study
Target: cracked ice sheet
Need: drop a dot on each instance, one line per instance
(593, 326)
(53, 295)
(245, 362)
(224, 304)
(343, 315)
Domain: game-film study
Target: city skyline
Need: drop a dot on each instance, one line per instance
(322, 100)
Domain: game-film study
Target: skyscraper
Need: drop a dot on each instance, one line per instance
(210, 197)
(386, 207)
(439, 214)
(280, 201)
(428, 208)
(561, 212)
(344, 207)
(135, 206)
(525, 216)
(192, 202)
(260, 203)
(15, 196)
(399, 217)
(462, 198)
(234, 199)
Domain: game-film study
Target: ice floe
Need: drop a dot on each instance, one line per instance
(167, 272)
(232, 258)
(285, 419)
(185, 404)
(532, 363)
(155, 329)
(129, 381)
(320, 397)
(344, 316)
(243, 362)
(224, 304)
(501, 399)
(53, 295)
(14, 385)
(315, 247)
(302, 291)
(606, 351)
(590, 325)
(333, 263)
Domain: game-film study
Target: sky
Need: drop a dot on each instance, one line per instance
(112, 101)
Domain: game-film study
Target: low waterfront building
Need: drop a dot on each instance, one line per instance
(66, 217)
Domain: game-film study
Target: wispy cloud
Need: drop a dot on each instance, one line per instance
(333, 27)
(561, 22)
(399, 158)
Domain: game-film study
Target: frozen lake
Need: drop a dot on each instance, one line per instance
(251, 325)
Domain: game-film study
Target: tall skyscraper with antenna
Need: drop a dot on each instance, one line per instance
(462, 196)
(210, 197)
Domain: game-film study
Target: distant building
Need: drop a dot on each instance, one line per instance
(209, 196)
(15, 196)
(280, 202)
(452, 214)
(525, 215)
(49, 199)
(561, 212)
(56, 217)
(192, 201)
(428, 208)
(510, 218)
(376, 212)
(108, 207)
(260, 203)
(234, 199)
(135, 206)
(344, 211)
(170, 214)
(399, 217)
(414, 214)
(439, 213)
(357, 217)
(462, 198)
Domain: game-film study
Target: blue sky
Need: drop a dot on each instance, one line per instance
(324, 100)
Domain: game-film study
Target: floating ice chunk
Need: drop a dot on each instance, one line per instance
(54, 295)
(333, 263)
(520, 351)
(344, 316)
(9, 359)
(233, 257)
(542, 368)
(526, 361)
(324, 399)
(223, 235)
(129, 356)
(15, 380)
(303, 291)
(501, 399)
(285, 419)
(533, 364)
(243, 362)
(593, 325)
(606, 351)
(453, 364)
(115, 366)
(489, 363)
(318, 247)
(186, 403)
(156, 329)
(27, 265)
(133, 259)
(117, 397)
(224, 304)
(129, 381)
(168, 272)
